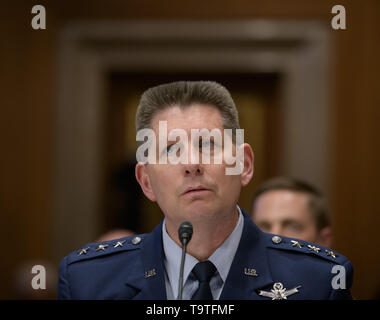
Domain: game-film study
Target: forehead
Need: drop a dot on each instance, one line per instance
(196, 116)
(282, 201)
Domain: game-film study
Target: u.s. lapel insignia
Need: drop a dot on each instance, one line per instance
(250, 272)
(150, 273)
(278, 292)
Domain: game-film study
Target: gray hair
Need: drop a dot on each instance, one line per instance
(184, 94)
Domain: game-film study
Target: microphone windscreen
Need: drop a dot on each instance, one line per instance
(185, 231)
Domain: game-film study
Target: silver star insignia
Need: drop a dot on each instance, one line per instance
(331, 253)
(102, 247)
(83, 251)
(296, 244)
(119, 244)
(278, 292)
(314, 248)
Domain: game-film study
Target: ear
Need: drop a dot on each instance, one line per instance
(248, 164)
(325, 237)
(142, 178)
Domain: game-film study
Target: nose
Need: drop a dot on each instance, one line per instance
(193, 170)
(193, 167)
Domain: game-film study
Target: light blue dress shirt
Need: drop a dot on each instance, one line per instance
(222, 259)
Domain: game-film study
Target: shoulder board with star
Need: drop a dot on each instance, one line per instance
(292, 244)
(98, 249)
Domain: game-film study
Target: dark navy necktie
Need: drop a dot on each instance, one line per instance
(203, 272)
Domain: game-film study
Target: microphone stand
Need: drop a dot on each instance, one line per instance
(180, 285)
(185, 232)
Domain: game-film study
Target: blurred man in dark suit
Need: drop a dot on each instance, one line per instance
(292, 208)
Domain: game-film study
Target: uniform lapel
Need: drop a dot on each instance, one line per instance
(146, 281)
(249, 270)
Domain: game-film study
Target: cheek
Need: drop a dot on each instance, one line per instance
(163, 183)
(231, 184)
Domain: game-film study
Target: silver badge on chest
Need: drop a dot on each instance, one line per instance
(278, 292)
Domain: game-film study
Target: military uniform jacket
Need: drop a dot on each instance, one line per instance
(264, 267)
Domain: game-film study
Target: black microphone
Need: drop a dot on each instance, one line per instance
(185, 232)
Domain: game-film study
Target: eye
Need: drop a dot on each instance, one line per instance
(293, 226)
(264, 226)
(171, 148)
(206, 144)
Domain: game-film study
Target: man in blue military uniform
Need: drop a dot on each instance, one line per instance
(228, 257)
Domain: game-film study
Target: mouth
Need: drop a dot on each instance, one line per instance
(196, 190)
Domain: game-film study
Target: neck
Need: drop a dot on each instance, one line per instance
(207, 235)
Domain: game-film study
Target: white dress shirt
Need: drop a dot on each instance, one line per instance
(222, 259)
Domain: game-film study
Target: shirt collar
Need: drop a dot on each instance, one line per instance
(222, 257)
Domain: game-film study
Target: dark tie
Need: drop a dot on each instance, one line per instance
(203, 272)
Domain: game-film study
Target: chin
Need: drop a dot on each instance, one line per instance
(200, 212)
